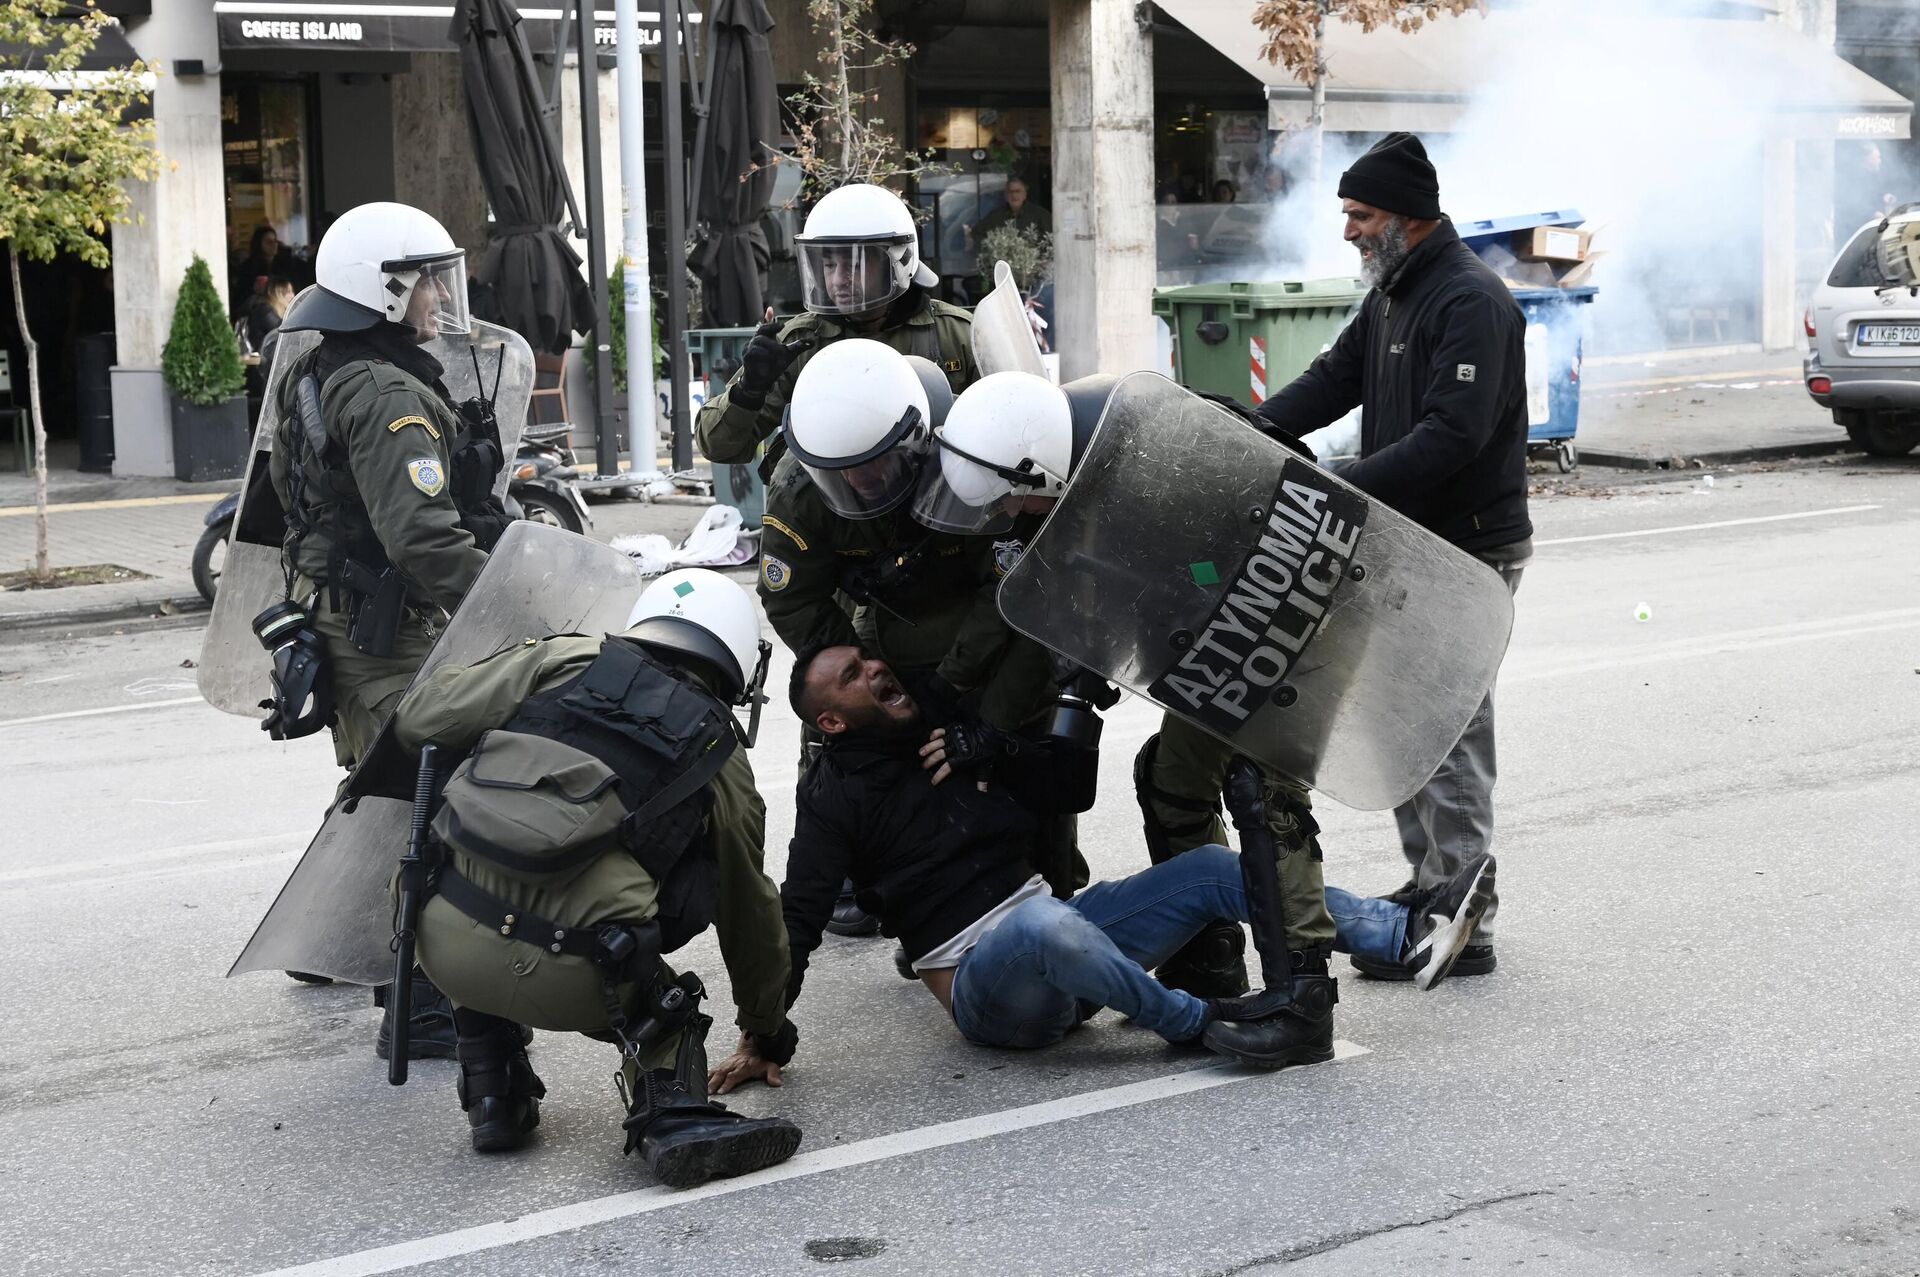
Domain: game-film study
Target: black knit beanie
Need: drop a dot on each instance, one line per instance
(1395, 176)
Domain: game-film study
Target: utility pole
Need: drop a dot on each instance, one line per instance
(606, 433)
(637, 298)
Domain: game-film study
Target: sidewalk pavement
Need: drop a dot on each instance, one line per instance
(154, 533)
(1671, 412)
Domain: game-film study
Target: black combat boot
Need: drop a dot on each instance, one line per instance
(430, 1031)
(498, 1088)
(1274, 1028)
(1440, 923)
(849, 919)
(688, 1139)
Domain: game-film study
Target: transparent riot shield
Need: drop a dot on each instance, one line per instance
(1003, 339)
(491, 362)
(333, 917)
(1199, 563)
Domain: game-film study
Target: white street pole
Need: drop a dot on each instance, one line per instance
(642, 425)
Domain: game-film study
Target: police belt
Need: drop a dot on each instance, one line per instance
(611, 945)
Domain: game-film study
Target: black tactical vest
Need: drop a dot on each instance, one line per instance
(666, 739)
(327, 497)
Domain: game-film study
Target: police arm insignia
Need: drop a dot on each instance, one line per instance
(428, 474)
(394, 427)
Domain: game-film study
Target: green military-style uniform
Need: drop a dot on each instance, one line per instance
(507, 977)
(729, 432)
(1181, 792)
(939, 611)
(941, 615)
(388, 479)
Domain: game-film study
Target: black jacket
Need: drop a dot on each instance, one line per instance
(928, 859)
(1436, 358)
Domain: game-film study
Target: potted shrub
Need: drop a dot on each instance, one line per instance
(206, 383)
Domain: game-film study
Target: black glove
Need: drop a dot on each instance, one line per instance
(777, 1048)
(762, 362)
(972, 745)
(487, 523)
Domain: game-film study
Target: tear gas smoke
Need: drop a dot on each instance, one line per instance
(1654, 128)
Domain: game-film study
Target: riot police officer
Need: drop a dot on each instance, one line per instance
(604, 816)
(386, 482)
(1010, 444)
(860, 276)
(843, 560)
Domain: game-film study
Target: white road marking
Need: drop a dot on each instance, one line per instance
(155, 686)
(104, 709)
(57, 678)
(1719, 644)
(1702, 527)
(602, 1210)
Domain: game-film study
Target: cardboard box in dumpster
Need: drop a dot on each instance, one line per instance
(1551, 244)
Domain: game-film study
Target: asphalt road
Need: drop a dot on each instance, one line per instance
(1696, 1056)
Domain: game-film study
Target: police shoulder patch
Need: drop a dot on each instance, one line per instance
(1005, 555)
(774, 573)
(427, 474)
(394, 427)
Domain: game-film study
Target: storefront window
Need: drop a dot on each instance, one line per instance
(980, 148)
(266, 138)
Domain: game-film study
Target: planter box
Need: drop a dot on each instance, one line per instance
(210, 442)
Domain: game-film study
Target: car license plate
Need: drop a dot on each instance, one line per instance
(1887, 335)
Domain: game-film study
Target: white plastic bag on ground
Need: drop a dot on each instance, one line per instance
(715, 542)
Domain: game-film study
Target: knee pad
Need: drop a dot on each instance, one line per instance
(1159, 834)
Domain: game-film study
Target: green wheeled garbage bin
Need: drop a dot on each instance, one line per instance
(715, 353)
(1248, 340)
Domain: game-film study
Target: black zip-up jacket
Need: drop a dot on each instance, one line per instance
(927, 859)
(1436, 358)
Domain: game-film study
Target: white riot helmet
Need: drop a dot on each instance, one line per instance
(386, 263)
(858, 422)
(1008, 435)
(858, 252)
(699, 613)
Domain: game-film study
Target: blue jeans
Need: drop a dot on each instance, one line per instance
(1024, 983)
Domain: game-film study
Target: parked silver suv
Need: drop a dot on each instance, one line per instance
(1863, 336)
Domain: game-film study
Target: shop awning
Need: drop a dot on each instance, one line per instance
(1427, 81)
(389, 26)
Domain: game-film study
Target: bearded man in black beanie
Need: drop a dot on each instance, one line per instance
(1434, 360)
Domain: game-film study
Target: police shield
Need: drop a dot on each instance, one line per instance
(490, 363)
(333, 917)
(1003, 339)
(1201, 564)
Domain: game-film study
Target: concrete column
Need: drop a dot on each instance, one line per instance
(1102, 55)
(609, 93)
(433, 164)
(1778, 245)
(181, 213)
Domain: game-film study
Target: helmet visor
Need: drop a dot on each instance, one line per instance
(957, 494)
(869, 488)
(848, 277)
(429, 295)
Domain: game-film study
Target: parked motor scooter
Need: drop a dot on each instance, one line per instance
(539, 490)
(542, 481)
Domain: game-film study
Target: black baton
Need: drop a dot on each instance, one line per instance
(413, 873)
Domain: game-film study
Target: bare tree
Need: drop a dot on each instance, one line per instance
(1296, 32)
(838, 138)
